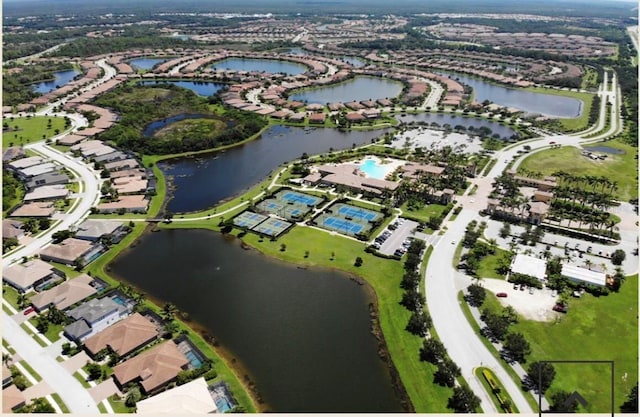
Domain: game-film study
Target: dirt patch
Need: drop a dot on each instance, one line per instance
(537, 306)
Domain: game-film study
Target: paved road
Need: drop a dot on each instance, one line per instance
(443, 283)
(74, 395)
(90, 191)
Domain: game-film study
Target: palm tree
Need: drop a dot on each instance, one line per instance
(169, 311)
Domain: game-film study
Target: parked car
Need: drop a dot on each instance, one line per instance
(589, 249)
(501, 294)
(530, 290)
(522, 287)
(560, 308)
(515, 286)
(554, 293)
(29, 310)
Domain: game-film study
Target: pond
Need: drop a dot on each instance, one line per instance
(60, 78)
(146, 63)
(527, 101)
(358, 88)
(202, 182)
(302, 335)
(271, 66)
(604, 149)
(156, 125)
(354, 61)
(201, 88)
(453, 120)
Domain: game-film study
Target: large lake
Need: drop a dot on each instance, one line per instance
(60, 78)
(201, 182)
(202, 88)
(453, 120)
(146, 63)
(527, 101)
(271, 66)
(358, 88)
(303, 335)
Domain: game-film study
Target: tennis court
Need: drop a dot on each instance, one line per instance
(349, 220)
(357, 212)
(294, 197)
(271, 227)
(248, 219)
(340, 225)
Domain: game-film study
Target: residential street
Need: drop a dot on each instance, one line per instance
(74, 395)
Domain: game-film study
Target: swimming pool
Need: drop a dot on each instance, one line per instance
(373, 170)
(222, 404)
(193, 359)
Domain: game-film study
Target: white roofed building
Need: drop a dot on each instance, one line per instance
(190, 398)
(529, 265)
(582, 275)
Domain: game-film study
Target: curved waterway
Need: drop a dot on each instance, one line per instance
(303, 335)
(358, 88)
(201, 88)
(271, 66)
(60, 78)
(203, 181)
(146, 63)
(527, 101)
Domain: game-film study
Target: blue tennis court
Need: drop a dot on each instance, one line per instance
(271, 227)
(294, 197)
(248, 219)
(357, 213)
(342, 225)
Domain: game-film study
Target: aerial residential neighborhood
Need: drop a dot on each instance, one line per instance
(308, 207)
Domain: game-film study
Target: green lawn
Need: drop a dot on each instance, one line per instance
(60, 403)
(11, 295)
(31, 371)
(620, 168)
(25, 130)
(53, 331)
(489, 264)
(604, 328)
(81, 379)
(119, 406)
(423, 215)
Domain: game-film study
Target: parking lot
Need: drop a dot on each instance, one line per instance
(394, 239)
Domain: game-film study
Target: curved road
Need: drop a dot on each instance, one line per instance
(443, 281)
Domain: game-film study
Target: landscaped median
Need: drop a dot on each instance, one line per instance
(499, 395)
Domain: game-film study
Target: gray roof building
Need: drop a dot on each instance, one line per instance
(49, 178)
(92, 229)
(94, 316)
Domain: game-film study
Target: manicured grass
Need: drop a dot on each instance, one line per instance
(11, 295)
(488, 265)
(8, 347)
(28, 130)
(119, 407)
(30, 370)
(69, 271)
(603, 328)
(80, 378)
(423, 214)
(619, 168)
(60, 403)
(53, 331)
(33, 335)
(577, 123)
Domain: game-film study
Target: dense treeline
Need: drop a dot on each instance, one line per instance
(95, 46)
(139, 106)
(628, 79)
(16, 86)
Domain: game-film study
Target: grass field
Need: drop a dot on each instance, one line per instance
(384, 276)
(488, 264)
(25, 130)
(423, 215)
(620, 168)
(604, 328)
